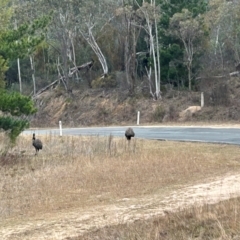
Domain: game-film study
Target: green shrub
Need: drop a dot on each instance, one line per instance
(14, 107)
(158, 114)
(108, 81)
(13, 127)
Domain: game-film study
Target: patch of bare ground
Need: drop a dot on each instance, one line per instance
(80, 185)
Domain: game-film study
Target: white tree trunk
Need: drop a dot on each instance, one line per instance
(189, 51)
(149, 74)
(74, 54)
(158, 60)
(156, 74)
(33, 75)
(19, 75)
(92, 42)
(154, 48)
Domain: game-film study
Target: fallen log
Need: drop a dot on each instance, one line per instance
(86, 66)
(234, 74)
(46, 88)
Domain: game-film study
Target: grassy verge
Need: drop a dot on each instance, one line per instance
(81, 171)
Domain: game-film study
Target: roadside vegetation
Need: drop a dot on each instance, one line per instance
(75, 172)
(95, 62)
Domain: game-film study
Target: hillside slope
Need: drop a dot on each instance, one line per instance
(93, 107)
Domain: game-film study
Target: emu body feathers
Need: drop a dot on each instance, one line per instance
(37, 144)
(129, 133)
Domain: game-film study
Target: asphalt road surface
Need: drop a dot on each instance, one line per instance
(190, 134)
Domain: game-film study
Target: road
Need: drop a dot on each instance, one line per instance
(198, 134)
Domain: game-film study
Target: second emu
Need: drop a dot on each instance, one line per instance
(129, 133)
(37, 144)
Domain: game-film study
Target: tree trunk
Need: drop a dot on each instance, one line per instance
(19, 75)
(127, 52)
(33, 75)
(92, 42)
(158, 59)
(189, 77)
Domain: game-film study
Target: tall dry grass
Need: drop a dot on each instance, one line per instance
(210, 222)
(77, 171)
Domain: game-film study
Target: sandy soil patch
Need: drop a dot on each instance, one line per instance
(75, 222)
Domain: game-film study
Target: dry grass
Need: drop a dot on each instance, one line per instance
(76, 171)
(210, 222)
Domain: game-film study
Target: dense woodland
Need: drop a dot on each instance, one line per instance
(125, 44)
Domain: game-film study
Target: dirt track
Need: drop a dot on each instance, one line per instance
(78, 221)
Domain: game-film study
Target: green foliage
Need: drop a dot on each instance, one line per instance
(5, 14)
(171, 63)
(3, 69)
(172, 50)
(13, 126)
(18, 43)
(16, 104)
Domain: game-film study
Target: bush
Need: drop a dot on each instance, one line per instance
(14, 105)
(158, 114)
(172, 113)
(13, 127)
(108, 81)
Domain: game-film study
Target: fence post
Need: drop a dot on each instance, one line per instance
(138, 117)
(60, 127)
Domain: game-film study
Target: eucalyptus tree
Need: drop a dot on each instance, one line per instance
(172, 48)
(75, 28)
(60, 37)
(223, 19)
(130, 27)
(151, 14)
(93, 19)
(189, 30)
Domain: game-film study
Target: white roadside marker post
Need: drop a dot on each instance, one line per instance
(60, 127)
(138, 117)
(202, 99)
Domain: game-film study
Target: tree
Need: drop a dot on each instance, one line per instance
(5, 16)
(130, 31)
(21, 35)
(151, 13)
(73, 35)
(189, 31)
(95, 15)
(14, 106)
(223, 19)
(172, 50)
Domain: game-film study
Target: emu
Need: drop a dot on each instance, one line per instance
(37, 144)
(129, 133)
